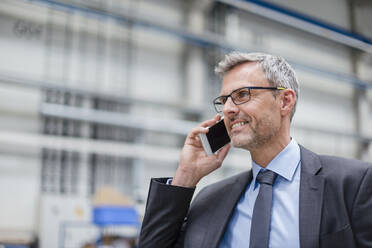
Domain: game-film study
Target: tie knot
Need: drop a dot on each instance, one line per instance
(266, 177)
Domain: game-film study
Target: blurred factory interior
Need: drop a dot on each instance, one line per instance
(87, 115)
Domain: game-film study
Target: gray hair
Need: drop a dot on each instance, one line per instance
(277, 71)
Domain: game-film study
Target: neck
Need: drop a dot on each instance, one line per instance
(266, 153)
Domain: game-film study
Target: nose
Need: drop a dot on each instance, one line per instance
(230, 108)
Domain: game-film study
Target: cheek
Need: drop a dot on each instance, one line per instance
(263, 114)
(250, 112)
(269, 119)
(276, 111)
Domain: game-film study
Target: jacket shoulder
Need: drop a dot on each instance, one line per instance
(332, 165)
(343, 166)
(343, 175)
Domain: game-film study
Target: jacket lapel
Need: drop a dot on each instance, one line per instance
(223, 209)
(311, 199)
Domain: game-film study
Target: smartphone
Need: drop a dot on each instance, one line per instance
(215, 139)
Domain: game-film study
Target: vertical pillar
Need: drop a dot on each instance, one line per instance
(360, 99)
(194, 69)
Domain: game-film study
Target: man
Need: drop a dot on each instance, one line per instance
(291, 197)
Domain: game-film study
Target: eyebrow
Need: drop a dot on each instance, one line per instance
(237, 89)
(253, 87)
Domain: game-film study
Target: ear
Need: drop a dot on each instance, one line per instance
(288, 100)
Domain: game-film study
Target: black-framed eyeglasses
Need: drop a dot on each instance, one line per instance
(240, 96)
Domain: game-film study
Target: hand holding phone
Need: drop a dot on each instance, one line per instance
(216, 138)
(194, 164)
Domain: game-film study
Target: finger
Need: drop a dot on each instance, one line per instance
(194, 142)
(202, 128)
(196, 131)
(221, 154)
(211, 122)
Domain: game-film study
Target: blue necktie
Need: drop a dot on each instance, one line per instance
(262, 210)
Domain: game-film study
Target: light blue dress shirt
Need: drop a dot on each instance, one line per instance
(284, 227)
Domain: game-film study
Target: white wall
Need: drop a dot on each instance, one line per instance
(19, 166)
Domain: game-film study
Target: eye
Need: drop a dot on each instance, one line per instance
(221, 100)
(242, 94)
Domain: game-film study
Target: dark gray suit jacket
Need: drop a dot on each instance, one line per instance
(335, 207)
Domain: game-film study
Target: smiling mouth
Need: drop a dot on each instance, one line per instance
(239, 124)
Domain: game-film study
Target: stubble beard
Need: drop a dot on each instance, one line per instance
(257, 135)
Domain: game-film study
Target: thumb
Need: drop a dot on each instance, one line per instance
(221, 154)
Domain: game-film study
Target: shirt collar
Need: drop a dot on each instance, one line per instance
(284, 164)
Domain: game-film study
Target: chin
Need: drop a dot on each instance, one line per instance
(246, 142)
(240, 142)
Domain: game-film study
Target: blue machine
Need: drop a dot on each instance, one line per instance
(115, 215)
